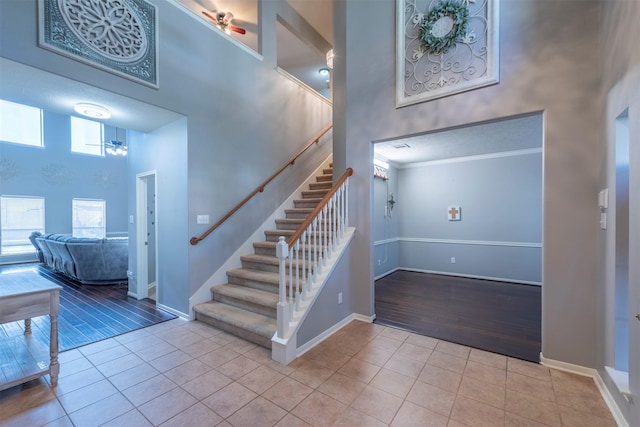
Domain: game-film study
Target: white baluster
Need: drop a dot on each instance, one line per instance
(297, 268)
(303, 239)
(284, 308)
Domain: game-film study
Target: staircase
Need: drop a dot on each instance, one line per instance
(246, 306)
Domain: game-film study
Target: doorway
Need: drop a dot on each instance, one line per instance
(439, 212)
(146, 236)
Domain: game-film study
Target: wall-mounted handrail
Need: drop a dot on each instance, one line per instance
(260, 188)
(322, 204)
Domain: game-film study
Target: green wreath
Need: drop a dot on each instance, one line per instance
(452, 9)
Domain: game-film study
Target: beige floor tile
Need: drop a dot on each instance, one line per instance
(75, 366)
(486, 373)
(187, 371)
(69, 383)
(573, 418)
(374, 355)
(258, 411)
(422, 341)
(441, 378)
(476, 414)
(120, 364)
(413, 351)
(513, 420)
(41, 413)
(260, 379)
(170, 360)
(453, 349)
(342, 388)
(241, 346)
(87, 395)
(432, 398)
(181, 338)
(392, 382)
(530, 386)
(396, 334)
(101, 411)
(287, 393)
(218, 357)
(114, 352)
(594, 405)
(259, 354)
(487, 358)
(276, 366)
(377, 403)
(291, 421)
(229, 399)
(133, 376)
(207, 384)
(149, 389)
(319, 410)
(98, 346)
(447, 361)
(60, 422)
(167, 405)
(327, 357)
(197, 415)
(404, 365)
(132, 418)
(530, 369)
(142, 342)
(412, 415)
(200, 348)
(310, 373)
(483, 391)
(385, 343)
(69, 355)
(353, 418)
(137, 335)
(154, 351)
(565, 383)
(531, 408)
(222, 338)
(359, 370)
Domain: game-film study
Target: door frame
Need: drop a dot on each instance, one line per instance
(142, 253)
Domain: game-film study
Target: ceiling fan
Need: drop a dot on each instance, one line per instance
(223, 21)
(115, 147)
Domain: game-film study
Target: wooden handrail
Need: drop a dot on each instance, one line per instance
(260, 189)
(295, 236)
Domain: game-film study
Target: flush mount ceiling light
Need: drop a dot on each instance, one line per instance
(92, 110)
(324, 72)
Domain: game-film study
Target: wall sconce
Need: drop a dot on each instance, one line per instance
(330, 59)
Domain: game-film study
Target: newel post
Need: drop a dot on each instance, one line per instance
(284, 311)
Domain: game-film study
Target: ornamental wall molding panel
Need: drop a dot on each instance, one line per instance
(119, 36)
(445, 47)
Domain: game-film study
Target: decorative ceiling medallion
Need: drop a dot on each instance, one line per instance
(109, 27)
(118, 36)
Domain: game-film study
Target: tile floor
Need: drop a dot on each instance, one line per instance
(181, 373)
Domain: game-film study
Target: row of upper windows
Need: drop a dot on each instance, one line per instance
(20, 216)
(22, 124)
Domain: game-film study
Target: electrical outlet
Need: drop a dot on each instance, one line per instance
(453, 260)
(340, 298)
(379, 262)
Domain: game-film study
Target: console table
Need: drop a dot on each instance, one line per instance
(22, 299)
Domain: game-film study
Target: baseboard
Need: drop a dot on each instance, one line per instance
(595, 375)
(173, 311)
(472, 276)
(386, 273)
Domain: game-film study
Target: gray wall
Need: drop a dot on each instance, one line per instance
(549, 55)
(499, 235)
(620, 69)
(58, 175)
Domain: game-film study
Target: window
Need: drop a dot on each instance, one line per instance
(20, 124)
(86, 137)
(89, 218)
(19, 216)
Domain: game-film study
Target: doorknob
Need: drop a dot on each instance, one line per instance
(638, 316)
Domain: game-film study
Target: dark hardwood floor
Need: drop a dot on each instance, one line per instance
(88, 313)
(499, 317)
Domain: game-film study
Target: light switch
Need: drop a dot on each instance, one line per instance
(603, 220)
(130, 219)
(202, 219)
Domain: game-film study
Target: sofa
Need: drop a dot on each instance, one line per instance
(88, 260)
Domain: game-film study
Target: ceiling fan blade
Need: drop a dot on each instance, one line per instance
(208, 15)
(238, 30)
